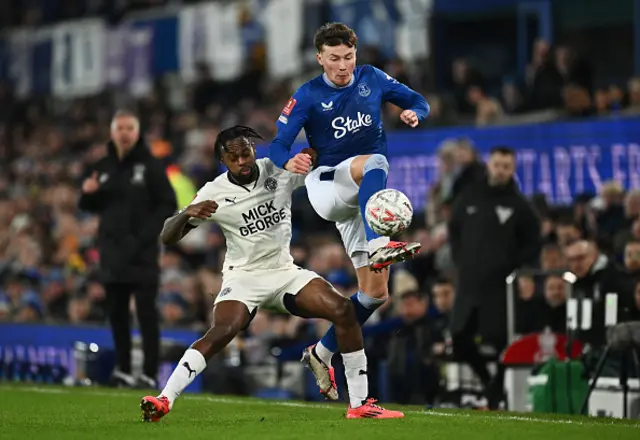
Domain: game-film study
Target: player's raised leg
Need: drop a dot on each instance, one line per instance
(229, 317)
(319, 299)
(370, 173)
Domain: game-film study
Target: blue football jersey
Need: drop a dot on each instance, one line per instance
(342, 122)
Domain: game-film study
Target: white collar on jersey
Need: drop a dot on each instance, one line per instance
(330, 84)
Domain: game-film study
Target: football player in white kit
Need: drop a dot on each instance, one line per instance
(252, 205)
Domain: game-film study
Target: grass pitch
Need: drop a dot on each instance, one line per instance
(43, 413)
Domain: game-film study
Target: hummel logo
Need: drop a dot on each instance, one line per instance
(228, 200)
(327, 107)
(188, 367)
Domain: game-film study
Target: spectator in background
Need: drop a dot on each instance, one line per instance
(632, 259)
(611, 216)
(469, 169)
(631, 214)
(511, 98)
(583, 215)
(577, 101)
(568, 231)
(131, 193)
(463, 77)
(545, 311)
(551, 258)
(488, 110)
(443, 294)
(617, 98)
(544, 82)
(525, 304)
(493, 231)
(573, 68)
(597, 275)
(633, 86)
(414, 376)
(441, 190)
(553, 314)
(602, 101)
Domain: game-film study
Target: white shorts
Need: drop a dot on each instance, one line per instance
(334, 196)
(264, 288)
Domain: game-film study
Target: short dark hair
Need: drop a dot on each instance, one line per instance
(231, 133)
(414, 294)
(551, 247)
(335, 34)
(568, 221)
(501, 149)
(442, 280)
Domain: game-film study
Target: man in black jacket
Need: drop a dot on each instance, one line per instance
(596, 276)
(131, 193)
(493, 231)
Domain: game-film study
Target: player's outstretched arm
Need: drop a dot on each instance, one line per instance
(291, 121)
(178, 226)
(415, 106)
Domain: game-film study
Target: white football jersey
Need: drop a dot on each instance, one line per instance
(255, 218)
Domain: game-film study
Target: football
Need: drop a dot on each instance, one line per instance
(389, 212)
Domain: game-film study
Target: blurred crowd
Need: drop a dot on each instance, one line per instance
(48, 256)
(559, 83)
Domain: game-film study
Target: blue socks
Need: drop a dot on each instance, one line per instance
(374, 179)
(365, 306)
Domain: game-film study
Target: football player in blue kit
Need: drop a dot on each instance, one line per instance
(340, 112)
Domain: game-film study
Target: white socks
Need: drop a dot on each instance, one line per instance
(355, 370)
(324, 353)
(377, 243)
(191, 364)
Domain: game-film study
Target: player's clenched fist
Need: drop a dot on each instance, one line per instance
(202, 210)
(410, 118)
(299, 164)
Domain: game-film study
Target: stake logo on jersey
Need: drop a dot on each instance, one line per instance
(261, 218)
(342, 122)
(343, 126)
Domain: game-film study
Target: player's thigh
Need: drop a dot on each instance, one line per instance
(354, 239)
(230, 317)
(240, 288)
(332, 192)
(304, 293)
(285, 284)
(346, 187)
(318, 299)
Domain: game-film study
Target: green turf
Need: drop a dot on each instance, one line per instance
(66, 414)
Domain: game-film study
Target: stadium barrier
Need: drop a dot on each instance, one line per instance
(45, 353)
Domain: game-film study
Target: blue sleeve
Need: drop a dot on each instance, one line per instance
(401, 95)
(292, 119)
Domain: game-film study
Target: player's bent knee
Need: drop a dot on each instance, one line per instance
(376, 162)
(343, 312)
